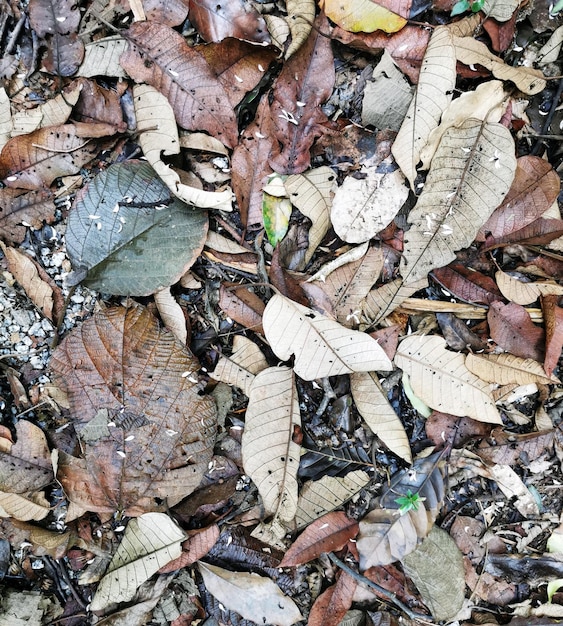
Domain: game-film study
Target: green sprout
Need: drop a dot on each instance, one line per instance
(409, 502)
(556, 8)
(466, 5)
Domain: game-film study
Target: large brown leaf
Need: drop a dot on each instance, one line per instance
(305, 82)
(216, 21)
(513, 330)
(159, 56)
(146, 432)
(467, 284)
(18, 207)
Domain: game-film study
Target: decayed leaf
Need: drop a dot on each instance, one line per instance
(534, 189)
(146, 432)
(101, 58)
(331, 607)
(5, 118)
(243, 306)
(362, 16)
(511, 327)
(240, 369)
(129, 236)
(504, 369)
(485, 102)
(26, 272)
(436, 568)
(433, 94)
(158, 134)
(311, 192)
(276, 212)
(553, 319)
(21, 207)
(25, 466)
(171, 314)
(150, 542)
(160, 56)
(194, 548)
(363, 207)
(253, 597)
(305, 82)
(326, 534)
(269, 455)
(473, 52)
(34, 160)
(322, 347)
(322, 496)
(441, 379)
(216, 21)
(511, 449)
(525, 293)
(377, 412)
(300, 17)
(169, 12)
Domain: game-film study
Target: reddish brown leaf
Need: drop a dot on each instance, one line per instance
(553, 320)
(443, 429)
(216, 21)
(146, 433)
(17, 207)
(284, 282)
(331, 606)
(391, 578)
(250, 165)
(512, 329)
(305, 82)
(97, 104)
(237, 65)
(243, 306)
(169, 12)
(326, 534)
(64, 54)
(511, 449)
(466, 284)
(407, 47)
(388, 339)
(159, 56)
(501, 33)
(195, 548)
(534, 189)
(34, 160)
(539, 233)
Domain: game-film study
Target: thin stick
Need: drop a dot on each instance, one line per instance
(375, 587)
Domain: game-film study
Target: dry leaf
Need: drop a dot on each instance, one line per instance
(441, 379)
(362, 15)
(322, 347)
(300, 18)
(505, 369)
(269, 455)
(331, 607)
(511, 327)
(171, 314)
(553, 318)
(522, 292)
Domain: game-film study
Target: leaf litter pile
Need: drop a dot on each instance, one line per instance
(281, 312)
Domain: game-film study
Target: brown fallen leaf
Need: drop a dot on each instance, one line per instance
(243, 306)
(553, 318)
(170, 12)
(194, 548)
(33, 207)
(512, 329)
(331, 606)
(215, 21)
(539, 232)
(147, 434)
(511, 449)
(329, 533)
(467, 284)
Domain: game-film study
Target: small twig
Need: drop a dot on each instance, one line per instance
(327, 397)
(366, 582)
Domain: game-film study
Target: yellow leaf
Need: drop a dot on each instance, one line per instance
(362, 16)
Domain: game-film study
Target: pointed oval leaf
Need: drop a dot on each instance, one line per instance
(300, 17)
(129, 235)
(150, 542)
(362, 16)
(269, 455)
(322, 347)
(326, 534)
(441, 379)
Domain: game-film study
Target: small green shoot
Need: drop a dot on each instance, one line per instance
(409, 502)
(556, 8)
(465, 5)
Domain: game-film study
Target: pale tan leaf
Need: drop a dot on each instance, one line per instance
(436, 568)
(201, 142)
(273, 533)
(300, 18)
(252, 596)
(353, 254)
(150, 541)
(364, 206)
(386, 298)
(278, 29)
(330, 492)
(432, 96)
(172, 314)
(348, 286)
(217, 242)
(5, 118)
(372, 404)
(485, 102)
(269, 455)
(473, 52)
(440, 378)
(101, 58)
(525, 293)
(322, 347)
(471, 173)
(311, 192)
(26, 273)
(24, 507)
(549, 52)
(52, 113)
(501, 10)
(505, 369)
(240, 369)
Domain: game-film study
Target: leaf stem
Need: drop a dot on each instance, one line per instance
(375, 587)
